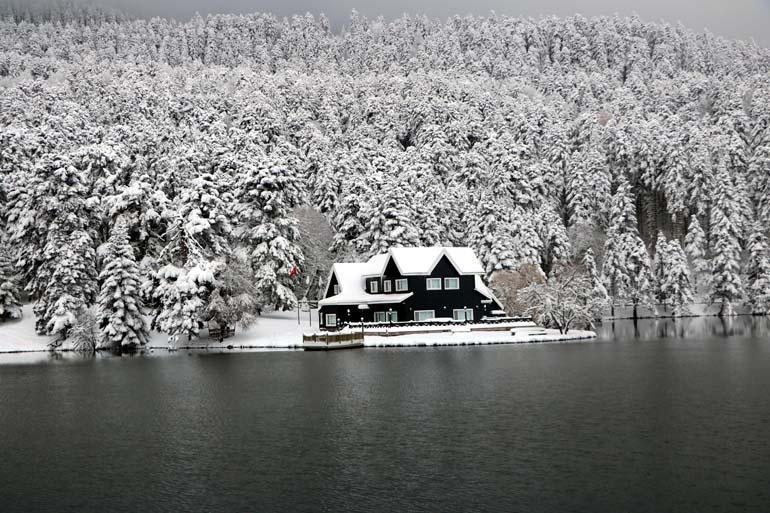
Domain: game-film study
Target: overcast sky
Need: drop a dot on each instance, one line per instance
(736, 19)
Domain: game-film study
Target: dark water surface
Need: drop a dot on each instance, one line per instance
(668, 417)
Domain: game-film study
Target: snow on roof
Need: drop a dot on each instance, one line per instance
(482, 289)
(351, 282)
(410, 261)
(417, 261)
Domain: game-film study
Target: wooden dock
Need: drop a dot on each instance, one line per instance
(329, 341)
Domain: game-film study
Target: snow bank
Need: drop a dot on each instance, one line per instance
(280, 330)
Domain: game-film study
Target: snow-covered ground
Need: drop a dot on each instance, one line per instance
(280, 330)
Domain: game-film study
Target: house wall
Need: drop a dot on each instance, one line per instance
(443, 302)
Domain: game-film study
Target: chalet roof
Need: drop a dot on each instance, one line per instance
(350, 278)
(421, 261)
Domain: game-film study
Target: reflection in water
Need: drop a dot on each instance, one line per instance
(686, 327)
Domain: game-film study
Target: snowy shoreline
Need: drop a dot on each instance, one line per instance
(281, 331)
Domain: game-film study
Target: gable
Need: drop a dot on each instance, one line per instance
(444, 268)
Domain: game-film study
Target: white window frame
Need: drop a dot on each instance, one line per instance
(386, 285)
(454, 280)
(393, 316)
(417, 312)
(464, 312)
(374, 287)
(428, 282)
(400, 282)
(333, 321)
(336, 289)
(380, 316)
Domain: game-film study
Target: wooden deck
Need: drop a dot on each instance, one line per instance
(329, 341)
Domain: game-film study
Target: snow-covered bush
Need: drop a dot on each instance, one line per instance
(562, 302)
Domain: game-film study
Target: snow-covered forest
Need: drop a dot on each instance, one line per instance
(155, 166)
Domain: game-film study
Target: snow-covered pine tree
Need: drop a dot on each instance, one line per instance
(622, 226)
(660, 266)
(10, 306)
(626, 267)
(674, 285)
(181, 296)
(640, 289)
(491, 237)
(695, 248)
(121, 311)
(350, 220)
(266, 194)
(758, 271)
(391, 223)
(725, 285)
(599, 298)
(72, 285)
(234, 300)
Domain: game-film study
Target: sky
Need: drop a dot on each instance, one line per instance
(734, 19)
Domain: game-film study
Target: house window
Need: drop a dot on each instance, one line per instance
(463, 314)
(374, 287)
(330, 320)
(336, 289)
(386, 286)
(451, 283)
(433, 284)
(402, 285)
(393, 316)
(380, 317)
(424, 315)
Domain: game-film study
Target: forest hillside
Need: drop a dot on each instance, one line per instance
(158, 166)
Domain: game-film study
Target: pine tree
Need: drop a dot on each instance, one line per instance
(121, 311)
(267, 193)
(626, 265)
(391, 222)
(725, 285)
(181, 296)
(695, 248)
(491, 237)
(10, 306)
(72, 285)
(758, 271)
(598, 298)
(674, 286)
(660, 266)
(350, 220)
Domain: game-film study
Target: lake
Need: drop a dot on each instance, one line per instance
(663, 417)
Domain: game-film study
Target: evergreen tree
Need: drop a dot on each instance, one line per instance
(10, 306)
(674, 286)
(725, 285)
(181, 296)
(121, 311)
(598, 298)
(267, 193)
(758, 271)
(695, 248)
(391, 222)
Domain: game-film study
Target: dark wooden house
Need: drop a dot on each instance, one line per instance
(408, 284)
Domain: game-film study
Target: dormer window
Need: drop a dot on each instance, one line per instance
(374, 287)
(402, 285)
(386, 285)
(451, 283)
(336, 289)
(433, 284)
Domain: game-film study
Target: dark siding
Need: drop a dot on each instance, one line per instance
(332, 283)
